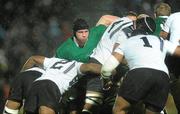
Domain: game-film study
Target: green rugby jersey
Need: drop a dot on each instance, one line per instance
(70, 51)
(160, 20)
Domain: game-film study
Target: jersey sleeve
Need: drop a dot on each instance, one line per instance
(119, 49)
(58, 50)
(61, 50)
(121, 37)
(170, 47)
(78, 64)
(99, 30)
(47, 62)
(167, 24)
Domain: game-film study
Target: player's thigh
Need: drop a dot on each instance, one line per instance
(21, 85)
(43, 93)
(158, 94)
(120, 104)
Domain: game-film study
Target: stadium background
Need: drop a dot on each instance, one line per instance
(31, 27)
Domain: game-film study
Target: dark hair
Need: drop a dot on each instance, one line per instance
(146, 24)
(80, 24)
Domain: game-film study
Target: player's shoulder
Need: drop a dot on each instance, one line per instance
(52, 59)
(174, 16)
(101, 27)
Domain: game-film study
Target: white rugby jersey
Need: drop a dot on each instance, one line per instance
(172, 26)
(36, 69)
(146, 51)
(61, 72)
(112, 35)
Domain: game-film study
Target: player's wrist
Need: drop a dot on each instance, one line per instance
(105, 75)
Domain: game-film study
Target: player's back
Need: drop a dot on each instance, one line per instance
(60, 71)
(145, 51)
(112, 35)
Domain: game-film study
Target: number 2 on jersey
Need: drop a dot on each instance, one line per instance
(59, 65)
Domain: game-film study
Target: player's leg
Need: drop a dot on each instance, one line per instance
(108, 100)
(19, 89)
(76, 97)
(11, 107)
(175, 91)
(157, 96)
(92, 102)
(173, 64)
(121, 106)
(44, 94)
(14, 100)
(94, 93)
(46, 110)
(151, 112)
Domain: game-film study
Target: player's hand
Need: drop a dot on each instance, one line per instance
(106, 83)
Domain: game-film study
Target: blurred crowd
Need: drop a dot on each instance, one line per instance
(37, 27)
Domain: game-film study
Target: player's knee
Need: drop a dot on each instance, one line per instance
(115, 109)
(92, 102)
(94, 98)
(10, 111)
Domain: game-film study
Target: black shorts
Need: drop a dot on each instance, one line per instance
(43, 93)
(149, 85)
(21, 85)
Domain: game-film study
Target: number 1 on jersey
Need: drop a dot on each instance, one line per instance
(146, 42)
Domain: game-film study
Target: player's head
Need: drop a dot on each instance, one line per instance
(146, 24)
(81, 30)
(162, 9)
(142, 15)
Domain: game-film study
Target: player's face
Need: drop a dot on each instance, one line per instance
(82, 35)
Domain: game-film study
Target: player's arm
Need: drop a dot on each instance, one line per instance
(164, 34)
(90, 68)
(115, 46)
(107, 20)
(177, 51)
(166, 28)
(112, 62)
(32, 61)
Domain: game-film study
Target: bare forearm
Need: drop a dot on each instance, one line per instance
(91, 68)
(33, 60)
(163, 35)
(28, 64)
(177, 51)
(106, 20)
